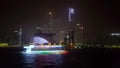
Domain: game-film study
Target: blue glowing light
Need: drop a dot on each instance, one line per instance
(70, 11)
(40, 40)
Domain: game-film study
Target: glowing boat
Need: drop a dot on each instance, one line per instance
(40, 49)
(41, 45)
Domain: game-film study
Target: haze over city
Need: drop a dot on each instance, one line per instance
(97, 17)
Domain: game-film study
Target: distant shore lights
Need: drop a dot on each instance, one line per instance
(70, 12)
(115, 34)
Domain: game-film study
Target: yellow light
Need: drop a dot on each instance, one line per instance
(3, 44)
(49, 44)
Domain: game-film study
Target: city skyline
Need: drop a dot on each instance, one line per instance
(97, 17)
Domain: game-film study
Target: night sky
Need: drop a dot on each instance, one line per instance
(97, 16)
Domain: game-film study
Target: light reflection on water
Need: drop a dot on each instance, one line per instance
(84, 58)
(43, 60)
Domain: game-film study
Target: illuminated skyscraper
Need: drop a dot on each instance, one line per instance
(69, 39)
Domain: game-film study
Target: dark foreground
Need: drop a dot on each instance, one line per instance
(82, 58)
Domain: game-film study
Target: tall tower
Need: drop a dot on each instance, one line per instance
(70, 35)
(70, 18)
(51, 22)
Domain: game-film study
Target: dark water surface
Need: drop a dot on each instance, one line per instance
(82, 58)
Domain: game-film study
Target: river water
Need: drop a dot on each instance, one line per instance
(82, 58)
